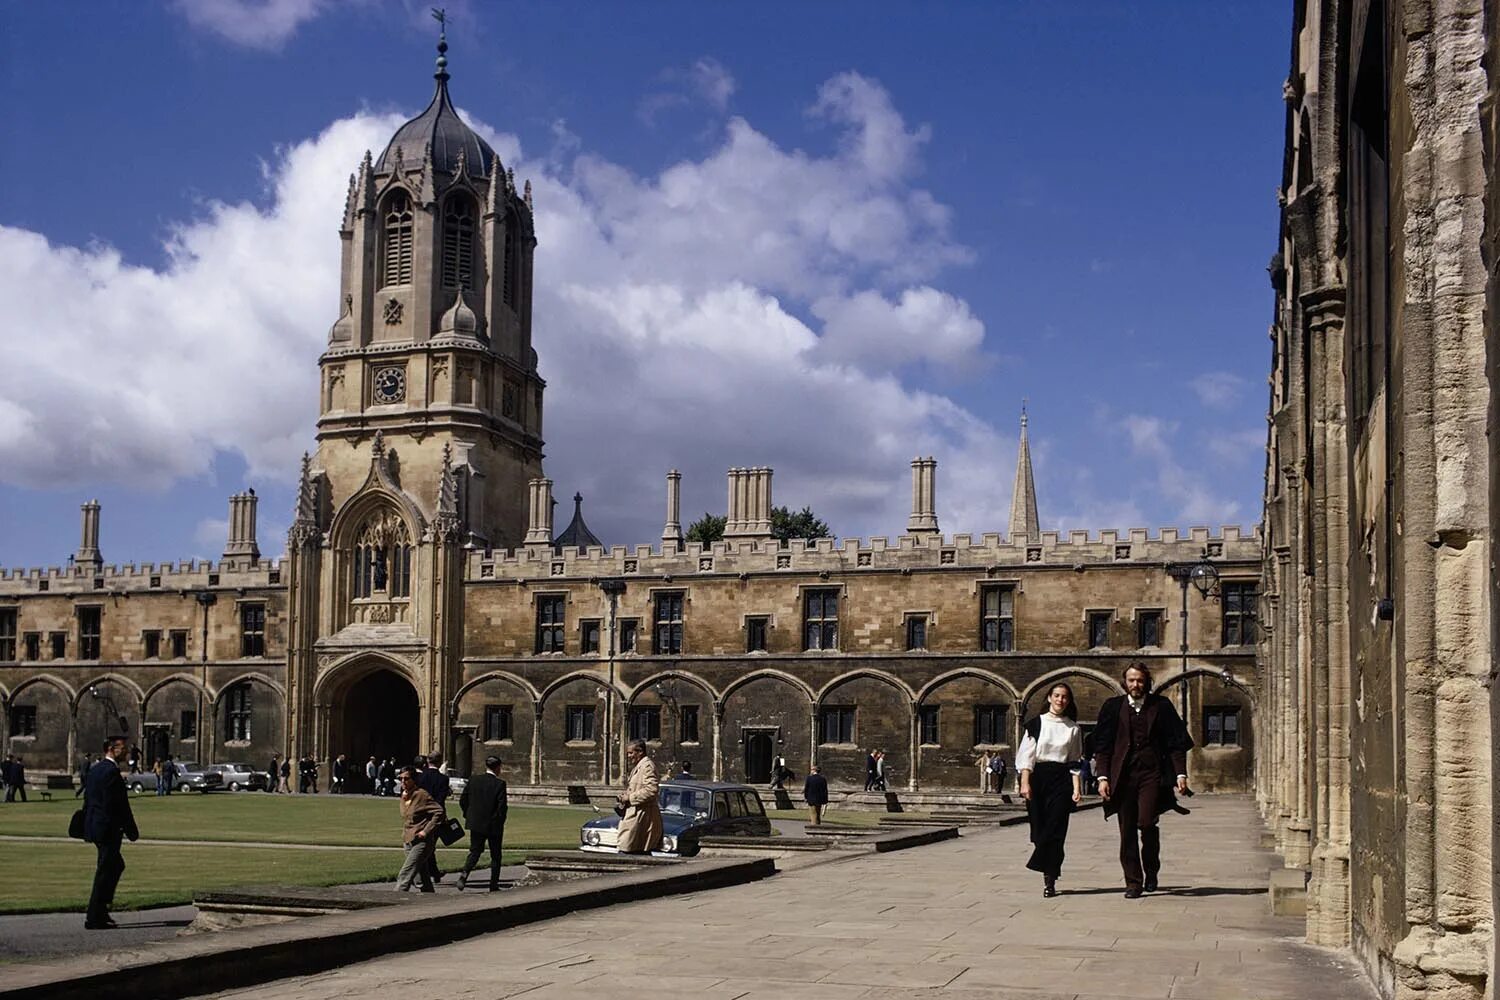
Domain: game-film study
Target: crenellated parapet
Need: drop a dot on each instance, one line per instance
(163, 577)
(988, 552)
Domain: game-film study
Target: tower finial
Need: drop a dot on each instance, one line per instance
(440, 15)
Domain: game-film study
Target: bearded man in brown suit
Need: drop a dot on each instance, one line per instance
(1140, 752)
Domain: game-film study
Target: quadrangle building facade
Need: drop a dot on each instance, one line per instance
(425, 602)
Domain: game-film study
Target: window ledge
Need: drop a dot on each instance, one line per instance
(578, 744)
(839, 746)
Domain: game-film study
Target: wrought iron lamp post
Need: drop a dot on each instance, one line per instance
(1204, 576)
(612, 587)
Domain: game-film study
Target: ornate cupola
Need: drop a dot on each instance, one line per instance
(432, 344)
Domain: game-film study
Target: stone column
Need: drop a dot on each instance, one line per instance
(671, 534)
(1328, 892)
(536, 744)
(718, 762)
(749, 513)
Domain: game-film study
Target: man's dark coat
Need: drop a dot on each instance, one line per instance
(815, 790)
(1164, 730)
(106, 804)
(435, 783)
(484, 804)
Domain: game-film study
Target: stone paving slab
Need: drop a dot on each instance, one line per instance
(960, 920)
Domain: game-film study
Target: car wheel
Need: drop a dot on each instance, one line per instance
(234, 786)
(137, 787)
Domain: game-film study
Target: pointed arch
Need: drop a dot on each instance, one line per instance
(51, 681)
(254, 676)
(661, 675)
(975, 672)
(1211, 674)
(873, 674)
(190, 680)
(500, 675)
(360, 664)
(774, 674)
(1063, 673)
(460, 229)
(581, 675)
(121, 679)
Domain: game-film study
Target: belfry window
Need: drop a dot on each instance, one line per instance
(397, 257)
(382, 559)
(458, 243)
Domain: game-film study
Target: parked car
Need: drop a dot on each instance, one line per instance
(141, 781)
(690, 810)
(192, 778)
(237, 776)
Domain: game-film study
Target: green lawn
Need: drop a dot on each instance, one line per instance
(256, 817)
(48, 876)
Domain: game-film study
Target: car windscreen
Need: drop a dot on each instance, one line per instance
(685, 801)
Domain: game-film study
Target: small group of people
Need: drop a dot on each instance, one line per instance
(307, 775)
(166, 775)
(382, 776)
(425, 789)
(875, 771)
(1139, 746)
(991, 773)
(279, 775)
(13, 777)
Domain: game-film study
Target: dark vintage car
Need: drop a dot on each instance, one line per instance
(690, 810)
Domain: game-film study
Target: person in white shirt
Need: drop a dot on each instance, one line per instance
(1049, 766)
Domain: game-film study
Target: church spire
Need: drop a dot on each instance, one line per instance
(1023, 516)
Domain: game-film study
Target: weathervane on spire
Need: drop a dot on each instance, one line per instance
(1023, 411)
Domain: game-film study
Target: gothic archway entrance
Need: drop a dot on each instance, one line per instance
(378, 717)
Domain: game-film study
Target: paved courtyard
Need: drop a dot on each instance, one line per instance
(957, 921)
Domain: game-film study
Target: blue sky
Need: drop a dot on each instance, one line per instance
(821, 237)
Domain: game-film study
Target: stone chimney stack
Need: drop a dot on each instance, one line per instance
(88, 557)
(539, 529)
(671, 534)
(749, 515)
(923, 520)
(242, 527)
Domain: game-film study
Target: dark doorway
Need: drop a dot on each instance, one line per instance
(760, 750)
(379, 719)
(463, 753)
(158, 744)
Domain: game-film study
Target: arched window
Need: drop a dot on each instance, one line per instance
(237, 713)
(396, 259)
(458, 243)
(512, 272)
(382, 558)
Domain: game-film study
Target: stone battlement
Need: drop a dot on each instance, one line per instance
(990, 550)
(193, 574)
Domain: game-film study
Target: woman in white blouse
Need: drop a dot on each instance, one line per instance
(1050, 765)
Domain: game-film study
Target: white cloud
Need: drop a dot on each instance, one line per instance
(1219, 390)
(210, 536)
(925, 324)
(714, 83)
(707, 81)
(253, 24)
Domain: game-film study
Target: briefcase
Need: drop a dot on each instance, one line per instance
(450, 832)
(75, 825)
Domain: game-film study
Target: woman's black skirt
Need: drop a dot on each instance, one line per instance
(1050, 806)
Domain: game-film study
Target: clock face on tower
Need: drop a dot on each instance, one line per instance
(390, 385)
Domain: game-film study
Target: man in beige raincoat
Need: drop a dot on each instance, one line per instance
(640, 828)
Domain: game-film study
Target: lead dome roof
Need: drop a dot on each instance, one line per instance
(440, 130)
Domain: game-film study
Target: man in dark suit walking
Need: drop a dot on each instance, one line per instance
(1140, 746)
(107, 820)
(484, 806)
(815, 793)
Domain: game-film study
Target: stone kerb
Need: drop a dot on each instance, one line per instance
(146, 577)
(1230, 544)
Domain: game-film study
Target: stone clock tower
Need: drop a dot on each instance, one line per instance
(429, 430)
